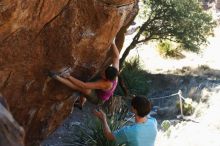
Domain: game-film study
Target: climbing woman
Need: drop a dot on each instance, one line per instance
(96, 92)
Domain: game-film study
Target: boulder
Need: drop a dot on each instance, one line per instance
(11, 133)
(37, 36)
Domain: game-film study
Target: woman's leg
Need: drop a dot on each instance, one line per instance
(89, 93)
(73, 86)
(67, 82)
(82, 100)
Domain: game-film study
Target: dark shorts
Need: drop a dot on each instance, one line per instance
(93, 98)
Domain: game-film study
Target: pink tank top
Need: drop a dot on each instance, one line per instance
(105, 95)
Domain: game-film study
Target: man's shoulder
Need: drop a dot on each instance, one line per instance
(128, 129)
(151, 119)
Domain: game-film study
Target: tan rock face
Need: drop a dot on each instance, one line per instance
(37, 35)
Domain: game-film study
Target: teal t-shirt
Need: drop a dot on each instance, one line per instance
(139, 134)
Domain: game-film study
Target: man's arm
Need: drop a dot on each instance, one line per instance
(106, 130)
(115, 59)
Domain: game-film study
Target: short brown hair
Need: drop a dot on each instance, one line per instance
(142, 105)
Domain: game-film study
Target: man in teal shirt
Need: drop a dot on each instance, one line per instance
(142, 133)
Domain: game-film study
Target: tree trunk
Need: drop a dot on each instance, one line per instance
(126, 53)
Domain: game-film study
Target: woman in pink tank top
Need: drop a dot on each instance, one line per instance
(106, 94)
(96, 92)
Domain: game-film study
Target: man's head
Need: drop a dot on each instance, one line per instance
(111, 73)
(141, 105)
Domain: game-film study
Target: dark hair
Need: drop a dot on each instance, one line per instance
(142, 105)
(111, 73)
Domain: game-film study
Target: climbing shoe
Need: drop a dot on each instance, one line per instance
(65, 72)
(52, 74)
(78, 105)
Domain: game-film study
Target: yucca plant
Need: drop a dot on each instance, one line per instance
(91, 133)
(134, 77)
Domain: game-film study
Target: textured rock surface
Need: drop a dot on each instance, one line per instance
(11, 134)
(36, 35)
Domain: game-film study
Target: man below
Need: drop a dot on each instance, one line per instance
(142, 133)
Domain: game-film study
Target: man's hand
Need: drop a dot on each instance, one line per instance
(107, 131)
(100, 114)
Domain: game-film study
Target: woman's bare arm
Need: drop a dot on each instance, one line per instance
(115, 59)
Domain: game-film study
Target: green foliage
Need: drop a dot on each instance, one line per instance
(181, 21)
(165, 125)
(166, 49)
(134, 77)
(189, 106)
(91, 133)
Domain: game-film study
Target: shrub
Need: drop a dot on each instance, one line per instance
(88, 134)
(189, 106)
(134, 77)
(91, 133)
(166, 49)
(165, 125)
